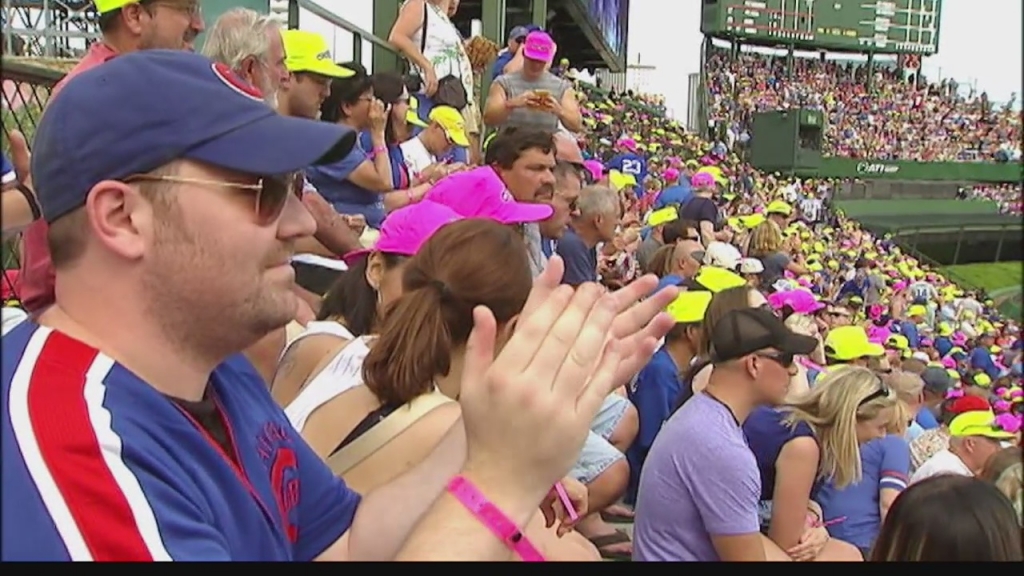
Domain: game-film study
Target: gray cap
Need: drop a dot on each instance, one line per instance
(936, 380)
(518, 32)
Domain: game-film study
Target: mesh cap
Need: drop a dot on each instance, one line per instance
(745, 331)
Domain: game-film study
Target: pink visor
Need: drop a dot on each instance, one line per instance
(406, 229)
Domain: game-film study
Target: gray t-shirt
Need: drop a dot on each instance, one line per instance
(700, 479)
(646, 251)
(774, 267)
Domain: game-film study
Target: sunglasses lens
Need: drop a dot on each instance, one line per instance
(274, 194)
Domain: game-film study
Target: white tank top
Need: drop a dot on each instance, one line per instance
(342, 373)
(316, 327)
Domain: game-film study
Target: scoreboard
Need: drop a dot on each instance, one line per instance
(881, 26)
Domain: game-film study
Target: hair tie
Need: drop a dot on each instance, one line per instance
(442, 290)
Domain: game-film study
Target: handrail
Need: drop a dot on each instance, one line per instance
(346, 25)
(16, 69)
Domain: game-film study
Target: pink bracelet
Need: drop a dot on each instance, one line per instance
(496, 521)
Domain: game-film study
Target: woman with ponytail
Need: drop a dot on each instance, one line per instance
(417, 361)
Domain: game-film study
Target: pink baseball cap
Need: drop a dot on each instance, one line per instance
(628, 144)
(539, 46)
(671, 174)
(406, 229)
(480, 193)
(595, 168)
(801, 301)
(702, 179)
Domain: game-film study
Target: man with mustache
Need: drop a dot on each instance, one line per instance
(127, 26)
(524, 159)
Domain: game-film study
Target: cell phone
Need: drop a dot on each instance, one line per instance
(542, 94)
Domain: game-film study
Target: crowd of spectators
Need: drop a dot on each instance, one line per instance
(898, 118)
(1006, 196)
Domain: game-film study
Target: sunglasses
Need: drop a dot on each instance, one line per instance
(271, 192)
(784, 359)
(882, 392)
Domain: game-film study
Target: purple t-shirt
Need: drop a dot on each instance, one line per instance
(699, 479)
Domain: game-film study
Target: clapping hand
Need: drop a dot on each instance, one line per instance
(527, 410)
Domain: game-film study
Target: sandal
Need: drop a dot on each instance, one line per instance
(616, 518)
(617, 537)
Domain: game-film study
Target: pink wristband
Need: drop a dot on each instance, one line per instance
(496, 521)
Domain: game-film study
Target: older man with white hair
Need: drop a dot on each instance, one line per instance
(250, 44)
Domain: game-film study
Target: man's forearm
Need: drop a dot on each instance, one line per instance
(337, 237)
(387, 515)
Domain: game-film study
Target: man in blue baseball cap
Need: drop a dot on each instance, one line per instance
(516, 37)
(172, 221)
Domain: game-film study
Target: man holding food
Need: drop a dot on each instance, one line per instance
(533, 97)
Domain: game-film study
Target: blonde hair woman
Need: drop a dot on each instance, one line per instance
(767, 245)
(885, 468)
(810, 440)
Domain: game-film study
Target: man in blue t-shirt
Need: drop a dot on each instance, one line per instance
(515, 40)
(677, 190)
(629, 160)
(599, 214)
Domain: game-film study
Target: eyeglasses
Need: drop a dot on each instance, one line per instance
(882, 392)
(784, 359)
(271, 192)
(191, 7)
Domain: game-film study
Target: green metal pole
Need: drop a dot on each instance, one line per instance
(212, 9)
(539, 11)
(384, 14)
(959, 243)
(999, 247)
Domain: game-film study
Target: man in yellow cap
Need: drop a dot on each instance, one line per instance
(308, 60)
(127, 26)
(974, 437)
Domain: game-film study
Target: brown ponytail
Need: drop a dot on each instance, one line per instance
(465, 264)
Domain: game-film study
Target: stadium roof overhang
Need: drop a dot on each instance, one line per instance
(578, 37)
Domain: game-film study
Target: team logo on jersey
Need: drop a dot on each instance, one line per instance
(274, 446)
(235, 82)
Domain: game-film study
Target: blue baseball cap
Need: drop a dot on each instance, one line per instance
(140, 111)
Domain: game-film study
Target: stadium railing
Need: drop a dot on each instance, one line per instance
(379, 47)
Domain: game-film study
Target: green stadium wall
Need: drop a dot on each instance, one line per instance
(920, 171)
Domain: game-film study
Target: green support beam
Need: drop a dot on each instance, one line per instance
(384, 14)
(212, 9)
(539, 11)
(492, 18)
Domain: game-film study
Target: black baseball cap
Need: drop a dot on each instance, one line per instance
(747, 330)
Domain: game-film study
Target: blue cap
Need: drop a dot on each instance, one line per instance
(670, 280)
(142, 110)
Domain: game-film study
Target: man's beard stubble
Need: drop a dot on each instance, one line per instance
(192, 300)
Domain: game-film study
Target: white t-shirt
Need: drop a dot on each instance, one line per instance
(943, 462)
(416, 157)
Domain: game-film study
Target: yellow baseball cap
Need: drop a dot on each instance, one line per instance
(981, 379)
(898, 342)
(450, 120)
(412, 116)
(689, 307)
(917, 310)
(779, 207)
(104, 6)
(308, 52)
(718, 279)
(663, 216)
(978, 423)
(849, 343)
